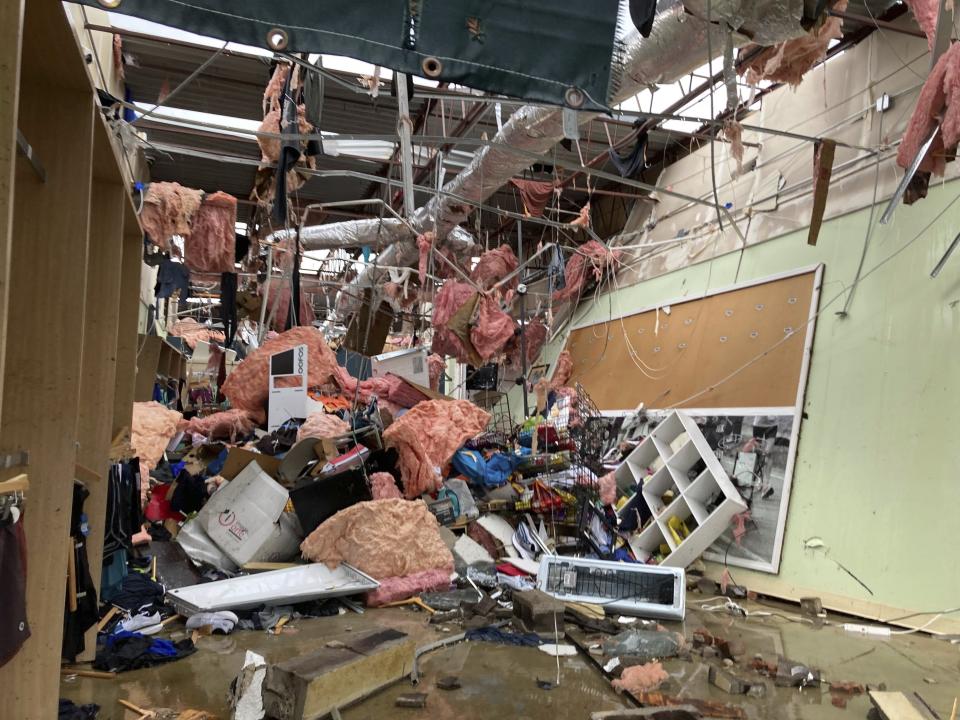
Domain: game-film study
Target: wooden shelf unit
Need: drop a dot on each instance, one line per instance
(678, 476)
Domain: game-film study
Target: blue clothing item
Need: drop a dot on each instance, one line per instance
(503, 637)
(500, 467)
(471, 464)
(158, 646)
(216, 465)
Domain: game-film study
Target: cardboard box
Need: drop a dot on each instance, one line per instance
(240, 517)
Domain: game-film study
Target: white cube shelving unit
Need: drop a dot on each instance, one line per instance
(671, 451)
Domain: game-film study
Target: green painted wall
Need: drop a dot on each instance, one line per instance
(878, 467)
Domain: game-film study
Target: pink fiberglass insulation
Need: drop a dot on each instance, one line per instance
(403, 295)
(926, 13)
(210, 247)
(322, 425)
(940, 96)
(427, 436)
(424, 245)
(451, 298)
(271, 94)
(563, 370)
(382, 387)
(733, 134)
(151, 431)
(493, 266)
(384, 487)
(278, 304)
(493, 328)
(589, 256)
(270, 146)
(789, 61)
(435, 367)
(641, 678)
(247, 387)
(168, 210)
(395, 589)
(583, 219)
(383, 538)
(193, 332)
(608, 489)
(227, 425)
(534, 337)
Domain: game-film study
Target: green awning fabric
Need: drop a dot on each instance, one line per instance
(537, 50)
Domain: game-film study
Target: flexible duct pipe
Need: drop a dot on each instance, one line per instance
(677, 44)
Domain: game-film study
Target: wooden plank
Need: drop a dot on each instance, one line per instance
(313, 685)
(897, 706)
(99, 365)
(127, 320)
(42, 368)
(149, 355)
(11, 36)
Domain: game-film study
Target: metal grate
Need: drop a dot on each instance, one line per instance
(610, 584)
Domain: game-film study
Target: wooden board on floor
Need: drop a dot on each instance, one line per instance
(897, 706)
(313, 685)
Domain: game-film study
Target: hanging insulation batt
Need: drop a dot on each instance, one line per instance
(427, 436)
(210, 247)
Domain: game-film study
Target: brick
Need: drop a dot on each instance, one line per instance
(726, 681)
(539, 612)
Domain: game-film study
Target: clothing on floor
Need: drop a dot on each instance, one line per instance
(189, 494)
(69, 710)
(502, 637)
(124, 651)
(138, 591)
(221, 622)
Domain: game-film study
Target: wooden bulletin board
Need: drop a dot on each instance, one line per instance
(677, 354)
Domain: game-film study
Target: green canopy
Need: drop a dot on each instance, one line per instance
(559, 52)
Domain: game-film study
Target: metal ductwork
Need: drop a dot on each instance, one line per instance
(677, 45)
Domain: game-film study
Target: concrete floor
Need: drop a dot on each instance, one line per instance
(500, 682)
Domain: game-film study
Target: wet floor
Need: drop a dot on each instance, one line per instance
(501, 682)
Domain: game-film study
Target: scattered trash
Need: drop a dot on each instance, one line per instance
(642, 646)
(641, 678)
(448, 682)
(558, 650)
(411, 700)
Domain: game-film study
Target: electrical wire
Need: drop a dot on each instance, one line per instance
(822, 309)
(713, 163)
